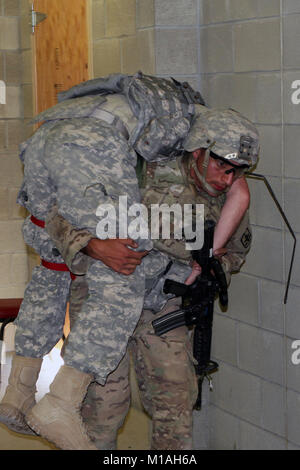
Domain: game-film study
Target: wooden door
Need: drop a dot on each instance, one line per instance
(60, 49)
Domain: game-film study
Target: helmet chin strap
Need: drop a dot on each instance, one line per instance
(202, 178)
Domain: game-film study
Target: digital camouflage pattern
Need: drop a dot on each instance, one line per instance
(164, 109)
(42, 312)
(80, 163)
(45, 299)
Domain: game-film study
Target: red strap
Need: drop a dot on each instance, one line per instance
(38, 222)
(57, 267)
(47, 264)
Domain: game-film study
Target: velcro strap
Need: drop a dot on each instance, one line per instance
(112, 120)
(38, 222)
(57, 267)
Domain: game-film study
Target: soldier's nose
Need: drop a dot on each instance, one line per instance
(227, 178)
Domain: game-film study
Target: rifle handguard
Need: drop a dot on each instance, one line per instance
(221, 279)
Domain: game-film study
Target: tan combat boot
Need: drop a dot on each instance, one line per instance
(57, 416)
(20, 393)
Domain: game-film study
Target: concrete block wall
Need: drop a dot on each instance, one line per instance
(264, 64)
(122, 36)
(244, 54)
(13, 255)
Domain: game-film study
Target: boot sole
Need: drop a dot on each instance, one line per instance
(14, 419)
(34, 424)
(39, 429)
(42, 430)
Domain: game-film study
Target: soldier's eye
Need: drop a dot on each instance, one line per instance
(231, 170)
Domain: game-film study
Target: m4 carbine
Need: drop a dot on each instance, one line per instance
(198, 306)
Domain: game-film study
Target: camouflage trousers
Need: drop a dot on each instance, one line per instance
(167, 385)
(102, 325)
(42, 312)
(94, 310)
(41, 317)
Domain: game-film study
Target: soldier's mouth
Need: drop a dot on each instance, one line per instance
(219, 188)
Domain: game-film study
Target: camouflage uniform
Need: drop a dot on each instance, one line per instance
(164, 365)
(78, 162)
(84, 155)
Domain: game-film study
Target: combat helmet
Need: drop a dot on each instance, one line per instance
(226, 133)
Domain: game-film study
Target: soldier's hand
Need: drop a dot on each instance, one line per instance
(220, 252)
(116, 254)
(194, 274)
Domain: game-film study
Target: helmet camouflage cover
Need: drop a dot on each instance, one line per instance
(229, 135)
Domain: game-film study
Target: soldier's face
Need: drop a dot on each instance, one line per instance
(220, 175)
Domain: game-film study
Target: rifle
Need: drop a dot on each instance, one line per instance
(197, 307)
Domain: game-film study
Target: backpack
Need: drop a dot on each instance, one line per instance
(163, 107)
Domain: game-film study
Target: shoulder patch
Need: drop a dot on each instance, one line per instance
(246, 238)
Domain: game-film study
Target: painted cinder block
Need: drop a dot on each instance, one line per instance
(257, 45)
(259, 262)
(263, 210)
(107, 57)
(175, 12)
(270, 156)
(237, 392)
(176, 51)
(291, 144)
(145, 13)
(293, 415)
(120, 18)
(224, 339)
(254, 438)
(273, 408)
(216, 49)
(272, 306)
(243, 298)
(261, 352)
(9, 33)
(98, 19)
(291, 6)
(224, 430)
(291, 38)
